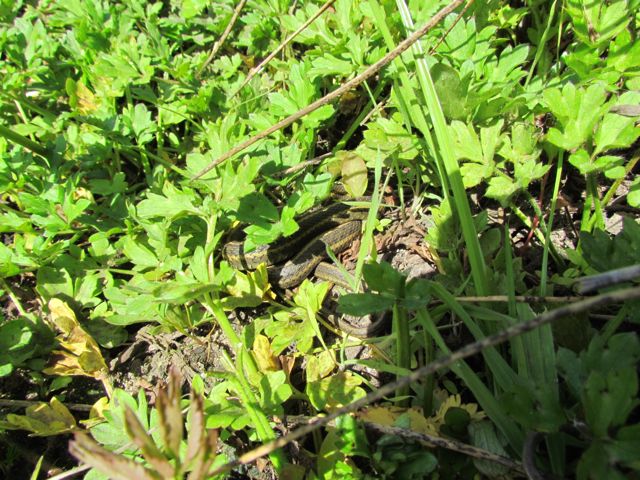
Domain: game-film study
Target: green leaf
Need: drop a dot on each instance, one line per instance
(173, 204)
(615, 131)
(328, 65)
(139, 121)
(117, 184)
(8, 266)
(610, 398)
(460, 42)
(288, 329)
(257, 209)
(360, 304)
(139, 253)
(483, 435)
(474, 173)
(604, 252)
(382, 277)
(624, 53)
(12, 222)
(274, 391)
(625, 447)
(451, 92)
(596, 24)
(577, 110)
(467, 144)
(529, 170)
(633, 198)
(16, 338)
(181, 293)
(501, 188)
(54, 282)
(511, 59)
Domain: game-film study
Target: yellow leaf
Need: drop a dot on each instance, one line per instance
(81, 192)
(80, 354)
(96, 415)
(265, 358)
(62, 316)
(249, 289)
(43, 419)
(320, 366)
(455, 401)
(86, 99)
(389, 416)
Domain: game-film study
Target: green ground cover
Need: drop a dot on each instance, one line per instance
(499, 143)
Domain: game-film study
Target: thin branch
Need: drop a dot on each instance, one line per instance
(467, 351)
(606, 279)
(455, 22)
(520, 298)
(225, 34)
(425, 439)
(448, 443)
(369, 72)
(255, 70)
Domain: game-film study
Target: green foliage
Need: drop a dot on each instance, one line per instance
(108, 109)
(600, 251)
(22, 342)
(603, 380)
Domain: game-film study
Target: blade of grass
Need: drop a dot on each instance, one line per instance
(23, 141)
(547, 242)
(451, 166)
(406, 94)
(543, 40)
(517, 349)
(480, 391)
(503, 373)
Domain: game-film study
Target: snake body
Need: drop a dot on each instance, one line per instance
(292, 259)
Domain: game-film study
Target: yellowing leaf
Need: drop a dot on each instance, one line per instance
(86, 99)
(81, 192)
(335, 391)
(80, 354)
(389, 416)
(320, 366)
(43, 419)
(430, 426)
(62, 316)
(249, 289)
(80, 97)
(96, 415)
(263, 353)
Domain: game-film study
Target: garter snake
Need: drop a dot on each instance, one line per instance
(335, 226)
(292, 259)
